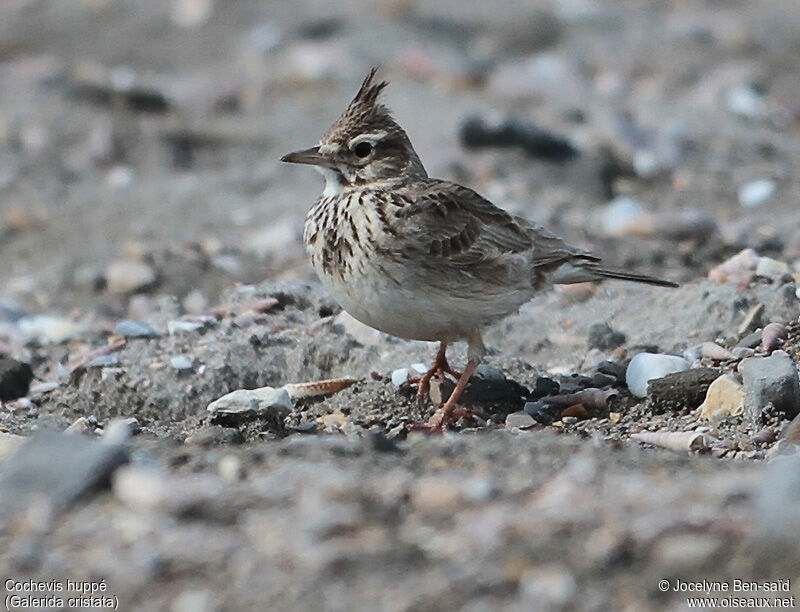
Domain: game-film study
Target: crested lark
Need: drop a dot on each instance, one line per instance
(422, 258)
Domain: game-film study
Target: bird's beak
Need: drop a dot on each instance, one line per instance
(310, 156)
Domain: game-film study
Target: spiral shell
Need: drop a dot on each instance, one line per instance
(679, 441)
(318, 388)
(773, 336)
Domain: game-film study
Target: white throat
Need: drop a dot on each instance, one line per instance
(333, 184)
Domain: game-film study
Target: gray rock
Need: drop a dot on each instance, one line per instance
(770, 380)
(249, 404)
(135, 329)
(520, 420)
(55, 467)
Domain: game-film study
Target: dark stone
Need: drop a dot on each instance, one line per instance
(545, 386)
(536, 142)
(15, 379)
(613, 368)
(486, 389)
(750, 340)
(602, 336)
(543, 413)
(57, 467)
(382, 444)
(681, 390)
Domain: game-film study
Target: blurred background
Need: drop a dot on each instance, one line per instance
(150, 131)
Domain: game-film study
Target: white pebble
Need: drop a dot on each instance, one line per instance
(620, 214)
(647, 366)
(771, 268)
(181, 362)
(183, 327)
(48, 328)
(745, 101)
(419, 368)
(756, 192)
(260, 401)
(400, 376)
(128, 276)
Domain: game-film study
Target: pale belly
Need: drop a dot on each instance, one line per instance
(379, 302)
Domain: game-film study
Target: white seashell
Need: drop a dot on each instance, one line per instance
(679, 441)
(647, 366)
(318, 388)
(725, 397)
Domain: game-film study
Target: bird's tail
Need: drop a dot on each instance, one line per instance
(585, 271)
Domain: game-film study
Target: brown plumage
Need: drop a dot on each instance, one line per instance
(423, 258)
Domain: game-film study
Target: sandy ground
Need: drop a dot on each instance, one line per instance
(139, 180)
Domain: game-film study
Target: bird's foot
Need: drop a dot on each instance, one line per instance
(439, 367)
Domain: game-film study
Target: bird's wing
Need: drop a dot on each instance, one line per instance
(447, 221)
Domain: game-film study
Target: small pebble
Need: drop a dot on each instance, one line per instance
(102, 361)
(773, 336)
(621, 216)
(400, 376)
(80, 426)
(48, 329)
(181, 362)
(129, 276)
(134, 329)
(520, 420)
(737, 269)
(756, 192)
(120, 430)
(745, 101)
(772, 268)
(247, 404)
(725, 397)
(183, 327)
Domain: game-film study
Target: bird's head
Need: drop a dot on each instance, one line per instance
(364, 146)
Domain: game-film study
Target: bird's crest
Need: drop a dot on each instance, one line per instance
(364, 113)
(368, 93)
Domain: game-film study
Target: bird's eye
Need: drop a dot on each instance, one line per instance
(362, 149)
